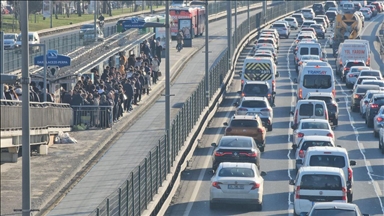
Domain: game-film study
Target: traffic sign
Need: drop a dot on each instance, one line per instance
(134, 22)
(53, 59)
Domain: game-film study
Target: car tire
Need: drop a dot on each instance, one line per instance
(335, 122)
(258, 207)
(380, 144)
(349, 197)
(376, 134)
(270, 127)
(262, 149)
(212, 205)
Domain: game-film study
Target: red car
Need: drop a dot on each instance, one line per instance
(379, 7)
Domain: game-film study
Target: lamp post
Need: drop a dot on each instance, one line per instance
(1, 60)
(229, 32)
(95, 19)
(235, 29)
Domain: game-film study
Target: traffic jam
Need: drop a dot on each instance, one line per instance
(327, 54)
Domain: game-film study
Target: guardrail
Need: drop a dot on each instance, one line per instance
(43, 115)
(70, 42)
(134, 195)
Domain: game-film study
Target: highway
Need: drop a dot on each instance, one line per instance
(133, 145)
(192, 197)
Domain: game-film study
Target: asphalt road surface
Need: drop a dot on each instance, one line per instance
(278, 159)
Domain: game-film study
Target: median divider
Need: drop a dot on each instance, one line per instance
(163, 198)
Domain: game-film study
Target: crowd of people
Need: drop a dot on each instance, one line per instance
(111, 92)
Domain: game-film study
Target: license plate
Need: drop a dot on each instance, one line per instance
(252, 113)
(232, 186)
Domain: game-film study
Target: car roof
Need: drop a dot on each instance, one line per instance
(305, 101)
(365, 86)
(317, 138)
(234, 164)
(314, 120)
(335, 205)
(364, 81)
(370, 70)
(254, 99)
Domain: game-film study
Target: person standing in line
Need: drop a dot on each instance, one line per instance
(159, 50)
(155, 69)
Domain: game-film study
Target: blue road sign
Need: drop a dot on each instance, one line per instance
(133, 22)
(53, 59)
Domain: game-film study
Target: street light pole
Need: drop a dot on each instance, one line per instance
(167, 84)
(95, 19)
(25, 81)
(249, 21)
(1, 60)
(265, 12)
(235, 29)
(229, 32)
(207, 93)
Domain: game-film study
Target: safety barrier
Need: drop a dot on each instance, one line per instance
(42, 115)
(93, 116)
(134, 195)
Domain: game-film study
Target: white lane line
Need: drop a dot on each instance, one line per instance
(359, 144)
(369, 166)
(205, 164)
(290, 132)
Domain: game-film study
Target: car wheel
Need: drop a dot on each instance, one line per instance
(262, 149)
(258, 207)
(212, 205)
(270, 128)
(335, 121)
(350, 197)
(370, 123)
(382, 150)
(376, 134)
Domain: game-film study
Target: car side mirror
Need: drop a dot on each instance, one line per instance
(291, 182)
(277, 74)
(338, 146)
(225, 123)
(299, 162)
(213, 144)
(337, 100)
(352, 163)
(262, 173)
(295, 80)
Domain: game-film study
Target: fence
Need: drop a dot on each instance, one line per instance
(92, 116)
(43, 115)
(380, 37)
(133, 196)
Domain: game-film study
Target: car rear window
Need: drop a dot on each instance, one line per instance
(327, 160)
(306, 110)
(370, 73)
(298, 17)
(236, 172)
(308, 144)
(379, 100)
(278, 25)
(330, 15)
(242, 143)
(318, 20)
(381, 84)
(304, 51)
(243, 123)
(314, 125)
(351, 64)
(317, 81)
(265, 41)
(320, 182)
(363, 89)
(319, 110)
(325, 99)
(254, 104)
(315, 51)
(305, 10)
(289, 19)
(340, 212)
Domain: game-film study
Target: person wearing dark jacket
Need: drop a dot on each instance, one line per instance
(77, 100)
(137, 90)
(142, 83)
(159, 50)
(128, 89)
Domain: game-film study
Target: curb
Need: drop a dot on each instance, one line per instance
(169, 186)
(102, 147)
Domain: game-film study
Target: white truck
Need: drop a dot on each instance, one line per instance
(351, 51)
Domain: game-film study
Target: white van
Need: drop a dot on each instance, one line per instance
(259, 69)
(305, 109)
(326, 156)
(352, 51)
(307, 48)
(318, 184)
(368, 48)
(348, 7)
(315, 79)
(33, 38)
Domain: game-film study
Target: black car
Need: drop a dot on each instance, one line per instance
(235, 149)
(331, 15)
(329, 4)
(320, 31)
(359, 93)
(333, 108)
(373, 107)
(318, 8)
(258, 89)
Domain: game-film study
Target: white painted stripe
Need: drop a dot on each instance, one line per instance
(369, 167)
(361, 146)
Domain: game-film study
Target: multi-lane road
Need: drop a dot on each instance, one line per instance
(192, 197)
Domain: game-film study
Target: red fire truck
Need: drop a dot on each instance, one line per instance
(195, 13)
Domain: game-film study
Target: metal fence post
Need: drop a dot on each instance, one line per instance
(107, 206)
(97, 212)
(119, 201)
(146, 182)
(139, 189)
(150, 159)
(127, 202)
(133, 195)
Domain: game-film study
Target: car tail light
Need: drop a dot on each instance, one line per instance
(344, 189)
(216, 185)
(346, 69)
(300, 135)
(297, 193)
(300, 93)
(220, 153)
(228, 129)
(350, 174)
(330, 135)
(379, 119)
(265, 110)
(260, 130)
(374, 106)
(351, 75)
(301, 154)
(255, 185)
(250, 154)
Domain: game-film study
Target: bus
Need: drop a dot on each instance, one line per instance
(195, 13)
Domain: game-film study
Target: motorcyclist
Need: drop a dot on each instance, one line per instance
(101, 20)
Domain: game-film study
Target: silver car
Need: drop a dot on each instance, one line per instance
(381, 140)
(10, 41)
(351, 77)
(282, 29)
(378, 121)
(365, 100)
(367, 13)
(257, 106)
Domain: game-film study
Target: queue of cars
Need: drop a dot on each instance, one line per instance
(324, 181)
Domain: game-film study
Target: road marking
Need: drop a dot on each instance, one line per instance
(369, 166)
(356, 131)
(290, 132)
(206, 162)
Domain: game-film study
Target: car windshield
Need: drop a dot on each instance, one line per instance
(289, 19)
(358, 69)
(236, 172)
(244, 123)
(278, 25)
(30, 37)
(235, 142)
(327, 160)
(87, 27)
(314, 125)
(370, 73)
(6, 37)
(379, 100)
(317, 81)
(363, 89)
(320, 182)
(254, 104)
(308, 144)
(334, 212)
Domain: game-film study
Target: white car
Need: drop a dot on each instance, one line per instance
(353, 74)
(308, 13)
(240, 183)
(306, 35)
(365, 100)
(257, 106)
(335, 208)
(360, 79)
(292, 22)
(312, 127)
(310, 141)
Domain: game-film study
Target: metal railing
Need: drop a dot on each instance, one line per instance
(133, 196)
(43, 115)
(380, 37)
(93, 116)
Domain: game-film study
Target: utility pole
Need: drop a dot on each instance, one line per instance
(95, 19)
(229, 32)
(207, 93)
(1, 60)
(51, 11)
(25, 81)
(167, 84)
(265, 12)
(235, 29)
